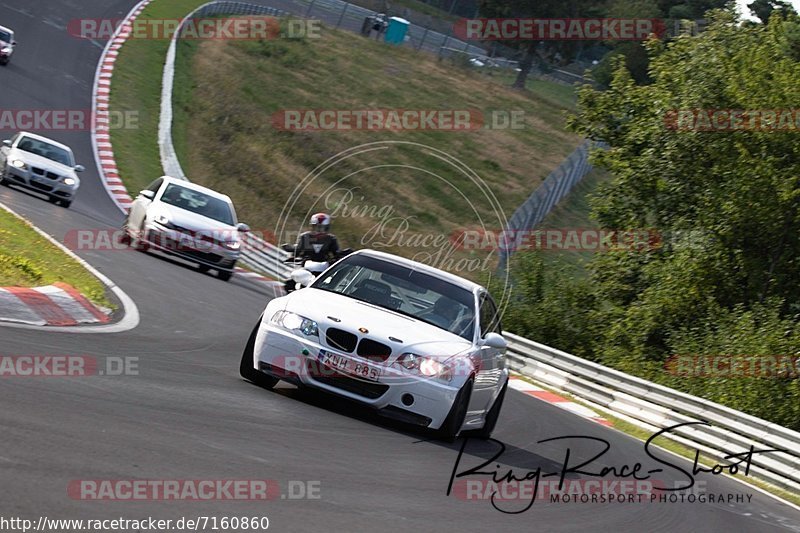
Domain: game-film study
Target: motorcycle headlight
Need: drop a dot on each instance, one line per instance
(424, 366)
(19, 163)
(295, 322)
(69, 181)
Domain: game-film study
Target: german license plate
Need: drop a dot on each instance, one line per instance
(349, 366)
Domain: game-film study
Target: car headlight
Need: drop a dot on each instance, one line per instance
(163, 221)
(19, 163)
(232, 245)
(424, 366)
(6, 50)
(69, 181)
(295, 322)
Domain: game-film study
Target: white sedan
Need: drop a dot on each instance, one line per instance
(414, 342)
(42, 165)
(7, 44)
(188, 221)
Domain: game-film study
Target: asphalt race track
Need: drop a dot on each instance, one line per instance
(188, 414)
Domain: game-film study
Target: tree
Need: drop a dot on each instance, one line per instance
(727, 203)
(763, 8)
(536, 51)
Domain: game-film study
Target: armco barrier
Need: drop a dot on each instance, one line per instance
(656, 407)
(256, 253)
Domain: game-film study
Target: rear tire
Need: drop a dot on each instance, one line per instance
(203, 268)
(246, 369)
(455, 418)
(491, 417)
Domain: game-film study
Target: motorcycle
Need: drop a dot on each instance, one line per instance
(300, 277)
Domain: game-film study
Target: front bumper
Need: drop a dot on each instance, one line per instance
(282, 354)
(34, 181)
(187, 247)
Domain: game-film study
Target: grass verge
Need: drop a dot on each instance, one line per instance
(29, 260)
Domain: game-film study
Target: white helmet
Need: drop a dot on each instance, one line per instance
(320, 222)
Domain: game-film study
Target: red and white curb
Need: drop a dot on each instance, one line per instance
(54, 305)
(559, 401)
(101, 94)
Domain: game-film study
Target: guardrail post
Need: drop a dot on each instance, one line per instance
(310, 7)
(422, 40)
(342, 15)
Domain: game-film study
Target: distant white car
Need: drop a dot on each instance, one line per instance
(189, 221)
(7, 44)
(42, 165)
(414, 342)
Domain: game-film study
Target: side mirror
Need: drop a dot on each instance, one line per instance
(7, 142)
(495, 340)
(13, 43)
(147, 194)
(80, 168)
(302, 276)
(244, 228)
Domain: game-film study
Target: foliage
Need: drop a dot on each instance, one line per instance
(727, 204)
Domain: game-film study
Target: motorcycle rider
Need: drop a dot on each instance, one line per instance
(318, 244)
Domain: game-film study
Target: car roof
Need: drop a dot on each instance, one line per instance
(422, 267)
(9, 30)
(46, 139)
(198, 188)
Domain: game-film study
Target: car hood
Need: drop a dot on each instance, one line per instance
(193, 221)
(42, 162)
(411, 335)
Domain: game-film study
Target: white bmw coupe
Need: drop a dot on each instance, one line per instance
(414, 342)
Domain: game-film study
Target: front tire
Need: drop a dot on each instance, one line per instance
(491, 417)
(125, 238)
(246, 369)
(455, 418)
(224, 275)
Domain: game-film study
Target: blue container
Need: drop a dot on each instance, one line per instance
(397, 30)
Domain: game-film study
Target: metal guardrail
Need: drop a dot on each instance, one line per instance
(656, 407)
(257, 253)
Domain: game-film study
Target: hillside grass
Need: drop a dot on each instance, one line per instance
(226, 93)
(226, 140)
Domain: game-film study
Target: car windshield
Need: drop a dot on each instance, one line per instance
(5, 36)
(197, 202)
(47, 150)
(403, 290)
